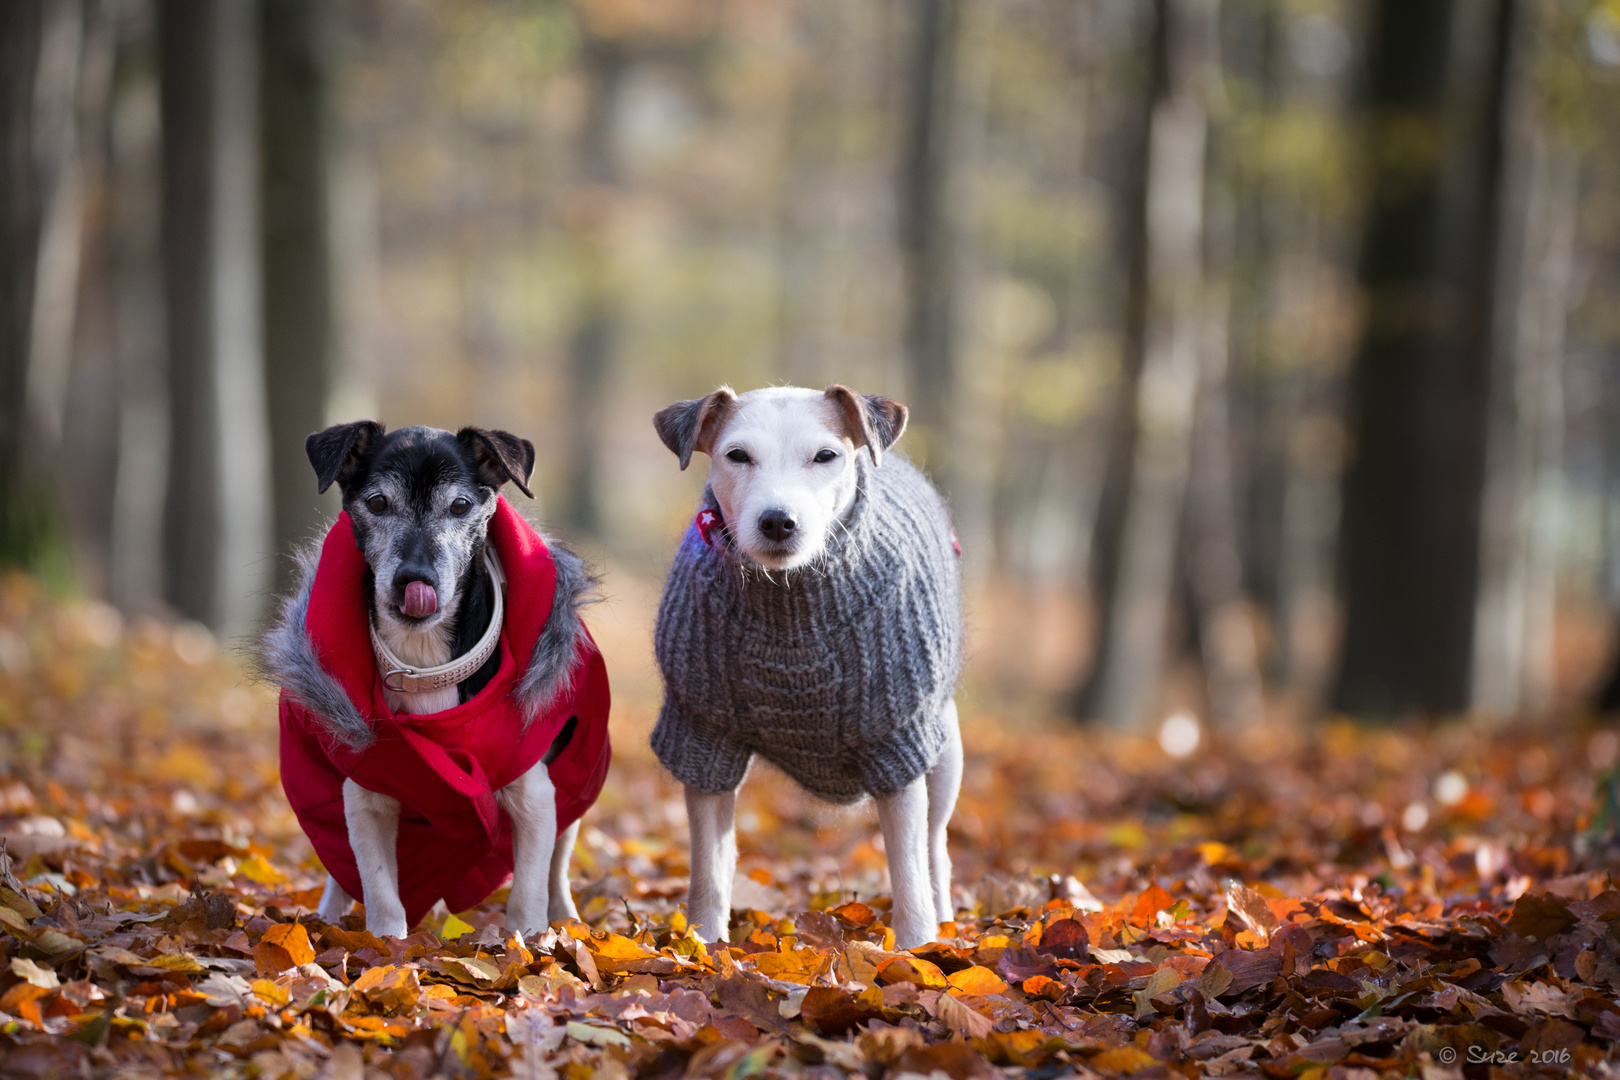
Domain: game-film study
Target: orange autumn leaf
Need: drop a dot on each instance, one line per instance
(617, 947)
(294, 939)
(976, 981)
(912, 969)
(1152, 901)
(856, 913)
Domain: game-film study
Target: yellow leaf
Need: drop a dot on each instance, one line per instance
(258, 870)
(799, 966)
(19, 903)
(976, 981)
(454, 928)
(270, 993)
(618, 947)
(15, 923)
(181, 962)
(1124, 1060)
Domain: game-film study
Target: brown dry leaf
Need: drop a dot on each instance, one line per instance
(1065, 938)
(1540, 916)
(833, 1011)
(1252, 909)
(959, 1061)
(963, 1018)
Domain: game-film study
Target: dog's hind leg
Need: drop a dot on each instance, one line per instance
(334, 901)
(531, 803)
(944, 781)
(373, 822)
(561, 905)
(713, 825)
(903, 818)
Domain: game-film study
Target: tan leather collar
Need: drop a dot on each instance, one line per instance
(403, 678)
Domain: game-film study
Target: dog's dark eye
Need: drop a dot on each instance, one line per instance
(377, 504)
(460, 507)
(824, 456)
(739, 455)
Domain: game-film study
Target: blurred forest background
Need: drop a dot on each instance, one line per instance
(1268, 350)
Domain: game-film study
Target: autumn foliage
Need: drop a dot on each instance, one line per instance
(1338, 902)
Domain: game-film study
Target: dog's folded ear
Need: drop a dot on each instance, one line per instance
(336, 451)
(869, 420)
(501, 456)
(693, 425)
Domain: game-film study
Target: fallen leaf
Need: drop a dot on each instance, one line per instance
(26, 969)
(980, 981)
(912, 969)
(1252, 909)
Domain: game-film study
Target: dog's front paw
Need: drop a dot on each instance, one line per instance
(524, 917)
(910, 933)
(562, 907)
(386, 923)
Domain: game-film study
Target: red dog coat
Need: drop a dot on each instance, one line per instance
(455, 843)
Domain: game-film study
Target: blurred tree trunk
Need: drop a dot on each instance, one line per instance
(1410, 530)
(925, 241)
(1119, 468)
(1214, 562)
(134, 228)
(218, 515)
(90, 389)
(1513, 636)
(1133, 627)
(593, 347)
(26, 511)
(298, 317)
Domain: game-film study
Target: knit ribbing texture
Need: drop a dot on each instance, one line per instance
(836, 672)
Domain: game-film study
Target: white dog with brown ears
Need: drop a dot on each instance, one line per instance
(813, 616)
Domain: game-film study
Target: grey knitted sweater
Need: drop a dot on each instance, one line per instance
(837, 672)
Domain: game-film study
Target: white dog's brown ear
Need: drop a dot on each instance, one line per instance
(693, 425)
(336, 451)
(501, 456)
(870, 420)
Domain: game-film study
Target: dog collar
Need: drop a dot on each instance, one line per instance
(403, 678)
(708, 523)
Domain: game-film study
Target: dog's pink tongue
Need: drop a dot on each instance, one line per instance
(420, 600)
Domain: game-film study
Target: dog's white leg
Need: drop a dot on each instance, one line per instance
(531, 803)
(903, 817)
(334, 902)
(944, 781)
(561, 905)
(712, 822)
(373, 821)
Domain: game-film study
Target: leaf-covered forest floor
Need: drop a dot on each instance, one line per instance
(1339, 902)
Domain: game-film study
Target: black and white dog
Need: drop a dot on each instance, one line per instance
(420, 501)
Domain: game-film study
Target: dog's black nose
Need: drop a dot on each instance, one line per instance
(408, 574)
(777, 525)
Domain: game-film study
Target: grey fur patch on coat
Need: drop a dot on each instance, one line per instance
(553, 665)
(287, 657)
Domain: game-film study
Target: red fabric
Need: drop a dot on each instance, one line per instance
(455, 843)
